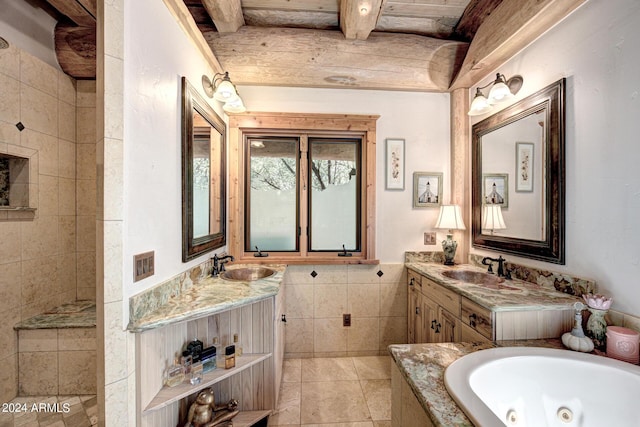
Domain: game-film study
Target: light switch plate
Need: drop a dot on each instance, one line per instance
(143, 265)
(430, 238)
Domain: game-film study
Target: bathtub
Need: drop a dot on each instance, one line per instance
(535, 387)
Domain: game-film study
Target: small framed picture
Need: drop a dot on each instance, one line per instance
(524, 167)
(427, 189)
(394, 164)
(495, 189)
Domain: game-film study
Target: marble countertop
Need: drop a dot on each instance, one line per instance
(526, 296)
(209, 296)
(423, 366)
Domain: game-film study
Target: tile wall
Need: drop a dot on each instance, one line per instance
(39, 252)
(316, 302)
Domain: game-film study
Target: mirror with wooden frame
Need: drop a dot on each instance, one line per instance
(518, 164)
(203, 176)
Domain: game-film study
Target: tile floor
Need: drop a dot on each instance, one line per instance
(56, 411)
(335, 392)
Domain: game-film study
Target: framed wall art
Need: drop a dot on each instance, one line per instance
(394, 164)
(524, 167)
(495, 189)
(427, 189)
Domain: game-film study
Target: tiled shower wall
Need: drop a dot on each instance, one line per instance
(318, 296)
(43, 255)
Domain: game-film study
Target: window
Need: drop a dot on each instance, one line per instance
(305, 188)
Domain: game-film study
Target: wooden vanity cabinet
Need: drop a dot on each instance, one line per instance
(437, 314)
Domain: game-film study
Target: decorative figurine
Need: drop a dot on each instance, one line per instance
(576, 340)
(204, 412)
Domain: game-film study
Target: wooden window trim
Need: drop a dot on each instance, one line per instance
(251, 122)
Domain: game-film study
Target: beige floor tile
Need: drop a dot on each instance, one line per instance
(377, 393)
(332, 402)
(288, 410)
(328, 369)
(292, 371)
(373, 367)
(385, 423)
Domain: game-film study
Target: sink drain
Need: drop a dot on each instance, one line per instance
(512, 417)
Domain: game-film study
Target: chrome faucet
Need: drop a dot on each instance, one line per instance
(218, 264)
(501, 273)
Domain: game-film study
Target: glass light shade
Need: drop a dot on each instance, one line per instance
(225, 91)
(499, 91)
(492, 218)
(234, 106)
(479, 105)
(450, 218)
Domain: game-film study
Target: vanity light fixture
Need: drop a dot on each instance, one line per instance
(220, 88)
(450, 218)
(501, 90)
(492, 218)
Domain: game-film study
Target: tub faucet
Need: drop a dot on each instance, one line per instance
(488, 261)
(218, 264)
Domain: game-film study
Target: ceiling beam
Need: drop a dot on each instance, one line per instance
(472, 17)
(359, 17)
(76, 50)
(81, 12)
(184, 18)
(226, 15)
(267, 56)
(512, 26)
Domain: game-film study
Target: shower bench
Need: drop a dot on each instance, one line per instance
(57, 351)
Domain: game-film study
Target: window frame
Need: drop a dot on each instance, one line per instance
(243, 125)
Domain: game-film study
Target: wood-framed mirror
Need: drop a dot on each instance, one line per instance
(203, 175)
(518, 164)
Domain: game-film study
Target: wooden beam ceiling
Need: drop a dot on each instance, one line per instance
(359, 17)
(316, 58)
(512, 26)
(226, 15)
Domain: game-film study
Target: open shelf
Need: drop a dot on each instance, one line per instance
(168, 395)
(249, 418)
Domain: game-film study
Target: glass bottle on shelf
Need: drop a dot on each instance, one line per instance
(236, 343)
(174, 374)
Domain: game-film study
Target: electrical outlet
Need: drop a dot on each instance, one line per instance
(430, 238)
(346, 320)
(143, 265)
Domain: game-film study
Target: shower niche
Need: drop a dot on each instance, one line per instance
(17, 184)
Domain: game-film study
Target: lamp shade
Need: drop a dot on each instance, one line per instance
(450, 218)
(492, 218)
(235, 106)
(225, 91)
(479, 105)
(499, 91)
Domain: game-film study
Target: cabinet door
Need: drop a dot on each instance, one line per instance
(450, 329)
(431, 326)
(414, 320)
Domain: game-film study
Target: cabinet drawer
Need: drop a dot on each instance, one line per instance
(445, 298)
(477, 317)
(468, 334)
(414, 279)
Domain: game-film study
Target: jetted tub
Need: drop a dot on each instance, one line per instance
(536, 387)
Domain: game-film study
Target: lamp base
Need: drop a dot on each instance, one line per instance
(449, 247)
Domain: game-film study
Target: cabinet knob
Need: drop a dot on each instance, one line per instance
(472, 320)
(418, 310)
(411, 281)
(283, 318)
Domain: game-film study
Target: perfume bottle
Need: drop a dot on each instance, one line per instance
(174, 374)
(197, 370)
(236, 343)
(219, 352)
(230, 357)
(195, 348)
(186, 361)
(208, 359)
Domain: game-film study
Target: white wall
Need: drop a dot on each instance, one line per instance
(157, 55)
(596, 49)
(421, 119)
